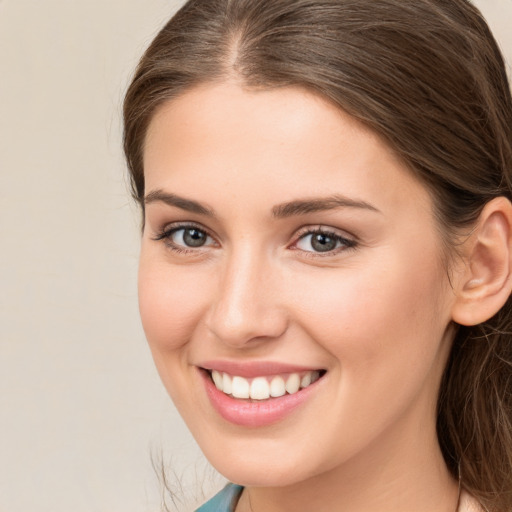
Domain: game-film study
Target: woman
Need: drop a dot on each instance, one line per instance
(325, 265)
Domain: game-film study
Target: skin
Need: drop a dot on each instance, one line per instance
(375, 312)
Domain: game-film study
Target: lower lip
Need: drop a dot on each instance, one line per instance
(258, 413)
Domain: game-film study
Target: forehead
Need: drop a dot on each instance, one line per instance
(205, 114)
(272, 144)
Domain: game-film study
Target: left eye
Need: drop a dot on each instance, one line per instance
(321, 241)
(189, 237)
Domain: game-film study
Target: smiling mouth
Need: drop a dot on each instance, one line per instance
(264, 387)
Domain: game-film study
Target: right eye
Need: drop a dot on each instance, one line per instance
(185, 238)
(189, 237)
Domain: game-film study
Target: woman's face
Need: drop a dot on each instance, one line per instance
(284, 244)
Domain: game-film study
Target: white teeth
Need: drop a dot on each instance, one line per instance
(217, 379)
(240, 387)
(293, 383)
(305, 381)
(226, 384)
(277, 387)
(262, 388)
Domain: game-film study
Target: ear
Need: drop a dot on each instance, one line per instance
(485, 282)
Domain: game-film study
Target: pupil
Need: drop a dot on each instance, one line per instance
(194, 238)
(323, 243)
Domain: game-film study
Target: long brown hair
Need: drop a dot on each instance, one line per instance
(427, 75)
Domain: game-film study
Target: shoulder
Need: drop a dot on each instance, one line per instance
(468, 503)
(223, 501)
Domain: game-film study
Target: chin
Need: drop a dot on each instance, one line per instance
(253, 475)
(258, 467)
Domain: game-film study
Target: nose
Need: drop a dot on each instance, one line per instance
(247, 308)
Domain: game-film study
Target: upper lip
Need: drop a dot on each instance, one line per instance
(251, 369)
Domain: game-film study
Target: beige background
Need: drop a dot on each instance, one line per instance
(81, 407)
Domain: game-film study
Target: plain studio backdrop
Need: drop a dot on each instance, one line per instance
(82, 411)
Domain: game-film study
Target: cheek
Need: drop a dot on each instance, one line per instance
(376, 313)
(385, 339)
(169, 304)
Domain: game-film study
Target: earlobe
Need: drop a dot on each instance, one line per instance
(486, 281)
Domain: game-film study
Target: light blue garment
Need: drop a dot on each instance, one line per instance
(224, 501)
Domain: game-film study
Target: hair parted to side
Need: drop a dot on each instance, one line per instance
(427, 75)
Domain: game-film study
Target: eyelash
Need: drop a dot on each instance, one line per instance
(166, 234)
(346, 243)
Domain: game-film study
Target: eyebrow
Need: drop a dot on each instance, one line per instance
(305, 206)
(188, 205)
(290, 209)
